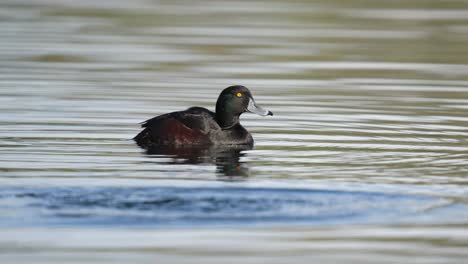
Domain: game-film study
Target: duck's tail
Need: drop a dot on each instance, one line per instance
(143, 139)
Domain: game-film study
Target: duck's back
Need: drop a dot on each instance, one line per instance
(189, 127)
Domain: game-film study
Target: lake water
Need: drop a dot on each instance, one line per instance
(364, 161)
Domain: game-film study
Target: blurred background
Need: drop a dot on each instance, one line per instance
(365, 160)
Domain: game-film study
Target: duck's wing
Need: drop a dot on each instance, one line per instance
(196, 118)
(184, 127)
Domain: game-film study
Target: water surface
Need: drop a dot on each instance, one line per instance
(365, 159)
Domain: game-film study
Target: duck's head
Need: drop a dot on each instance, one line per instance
(232, 102)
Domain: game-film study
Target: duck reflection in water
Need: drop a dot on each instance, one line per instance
(197, 133)
(226, 158)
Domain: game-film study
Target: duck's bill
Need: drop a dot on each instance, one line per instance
(254, 108)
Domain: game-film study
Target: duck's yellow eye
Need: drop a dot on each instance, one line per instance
(239, 94)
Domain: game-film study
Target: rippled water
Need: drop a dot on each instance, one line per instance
(365, 159)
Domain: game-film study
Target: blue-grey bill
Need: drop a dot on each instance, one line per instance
(254, 108)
